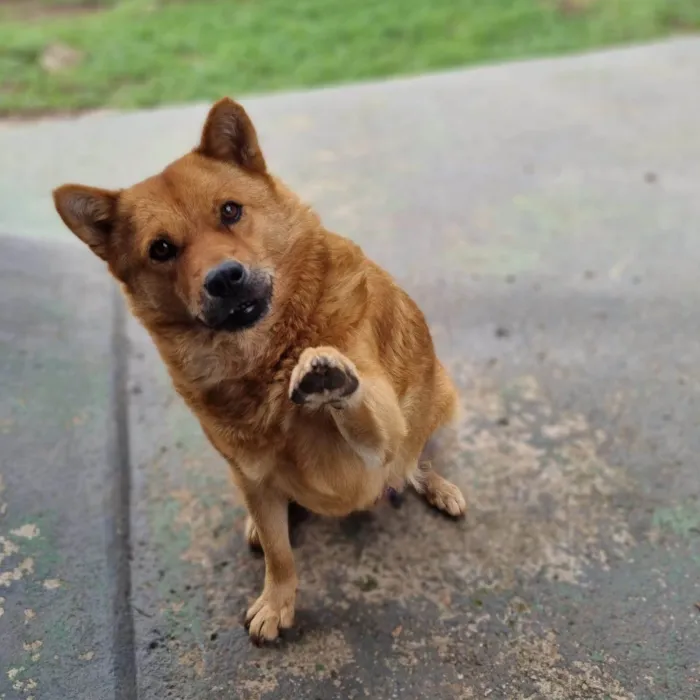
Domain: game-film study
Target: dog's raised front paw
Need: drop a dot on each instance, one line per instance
(323, 376)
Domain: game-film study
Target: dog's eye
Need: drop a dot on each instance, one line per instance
(230, 213)
(162, 250)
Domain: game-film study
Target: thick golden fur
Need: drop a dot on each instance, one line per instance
(330, 398)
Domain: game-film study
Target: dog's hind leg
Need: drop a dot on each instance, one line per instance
(296, 514)
(438, 491)
(251, 535)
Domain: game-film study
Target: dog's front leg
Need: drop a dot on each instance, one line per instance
(363, 405)
(274, 609)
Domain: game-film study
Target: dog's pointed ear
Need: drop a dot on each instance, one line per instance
(89, 212)
(229, 135)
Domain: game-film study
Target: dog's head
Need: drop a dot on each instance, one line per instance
(198, 244)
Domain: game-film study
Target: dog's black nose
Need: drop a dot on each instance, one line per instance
(225, 279)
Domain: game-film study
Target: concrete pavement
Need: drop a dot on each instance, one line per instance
(544, 214)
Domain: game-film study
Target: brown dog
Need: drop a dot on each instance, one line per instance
(309, 369)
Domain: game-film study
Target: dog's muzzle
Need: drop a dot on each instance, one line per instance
(235, 297)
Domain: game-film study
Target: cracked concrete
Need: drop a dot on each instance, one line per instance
(542, 214)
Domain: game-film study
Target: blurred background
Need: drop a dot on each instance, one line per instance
(67, 55)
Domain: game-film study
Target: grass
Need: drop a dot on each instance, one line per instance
(135, 53)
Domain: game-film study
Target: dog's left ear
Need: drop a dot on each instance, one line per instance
(229, 135)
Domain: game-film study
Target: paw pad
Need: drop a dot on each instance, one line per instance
(324, 377)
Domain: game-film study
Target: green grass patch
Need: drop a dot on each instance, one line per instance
(682, 520)
(136, 53)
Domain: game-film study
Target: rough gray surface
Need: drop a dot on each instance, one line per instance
(60, 586)
(544, 216)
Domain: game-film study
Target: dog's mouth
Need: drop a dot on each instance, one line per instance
(244, 309)
(245, 315)
(237, 317)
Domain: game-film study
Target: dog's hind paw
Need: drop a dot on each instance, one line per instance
(439, 492)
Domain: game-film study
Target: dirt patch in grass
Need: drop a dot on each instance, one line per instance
(45, 9)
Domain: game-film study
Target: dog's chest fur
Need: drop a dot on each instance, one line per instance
(264, 436)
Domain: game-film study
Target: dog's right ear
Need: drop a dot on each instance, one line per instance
(89, 212)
